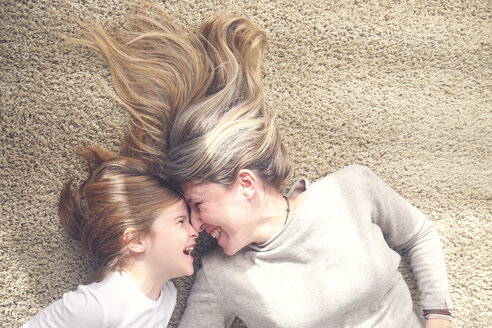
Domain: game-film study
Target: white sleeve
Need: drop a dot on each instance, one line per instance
(203, 308)
(407, 230)
(82, 308)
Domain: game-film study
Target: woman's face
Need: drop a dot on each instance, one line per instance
(171, 241)
(222, 212)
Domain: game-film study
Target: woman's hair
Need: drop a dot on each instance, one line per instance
(230, 128)
(196, 98)
(120, 193)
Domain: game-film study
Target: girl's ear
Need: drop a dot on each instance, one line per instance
(133, 241)
(247, 182)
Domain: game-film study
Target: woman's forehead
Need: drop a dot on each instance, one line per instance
(197, 190)
(191, 190)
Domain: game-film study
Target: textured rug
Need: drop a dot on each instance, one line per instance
(404, 88)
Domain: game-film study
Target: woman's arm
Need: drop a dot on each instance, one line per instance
(406, 230)
(204, 308)
(437, 323)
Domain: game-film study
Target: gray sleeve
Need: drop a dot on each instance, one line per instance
(204, 308)
(407, 231)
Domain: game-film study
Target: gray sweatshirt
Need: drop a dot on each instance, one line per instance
(334, 264)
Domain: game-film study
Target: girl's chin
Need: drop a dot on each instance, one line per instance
(188, 270)
(188, 265)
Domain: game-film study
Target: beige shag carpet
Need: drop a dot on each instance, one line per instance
(403, 87)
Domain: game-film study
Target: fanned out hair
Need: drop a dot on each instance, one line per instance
(120, 193)
(157, 67)
(196, 98)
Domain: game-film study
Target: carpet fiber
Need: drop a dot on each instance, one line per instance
(403, 87)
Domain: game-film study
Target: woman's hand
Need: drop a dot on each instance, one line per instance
(437, 323)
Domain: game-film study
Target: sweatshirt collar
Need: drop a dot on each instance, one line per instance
(298, 187)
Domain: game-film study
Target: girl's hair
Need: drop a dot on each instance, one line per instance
(196, 98)
(120, 193)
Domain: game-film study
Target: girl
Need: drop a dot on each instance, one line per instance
(325, 254)
(137, 228)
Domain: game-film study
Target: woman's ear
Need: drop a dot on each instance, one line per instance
(133, 241)
(247, 182)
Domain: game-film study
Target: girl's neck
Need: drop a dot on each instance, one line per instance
(149, 283)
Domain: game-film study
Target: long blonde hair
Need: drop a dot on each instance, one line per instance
(196, 98)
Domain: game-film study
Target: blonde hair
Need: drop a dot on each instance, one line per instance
(120, 193)
(211, 120)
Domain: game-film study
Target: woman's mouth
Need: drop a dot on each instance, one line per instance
(216, 233)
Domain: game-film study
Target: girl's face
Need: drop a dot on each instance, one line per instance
(222, 212)
(171, 240)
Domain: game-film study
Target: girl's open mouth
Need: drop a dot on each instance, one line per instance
(187, 251)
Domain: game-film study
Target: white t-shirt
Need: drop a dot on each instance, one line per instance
(114, 302)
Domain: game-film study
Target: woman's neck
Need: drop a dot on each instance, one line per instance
(273, 215)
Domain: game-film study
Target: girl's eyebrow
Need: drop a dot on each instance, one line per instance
(180, 217)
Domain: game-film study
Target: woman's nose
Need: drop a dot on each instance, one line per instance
(196, 222)
(192, 232)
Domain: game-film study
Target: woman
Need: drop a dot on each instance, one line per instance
(324, 255)
(137, 228)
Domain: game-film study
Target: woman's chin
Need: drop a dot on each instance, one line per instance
(228, 244)
(229, 250)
